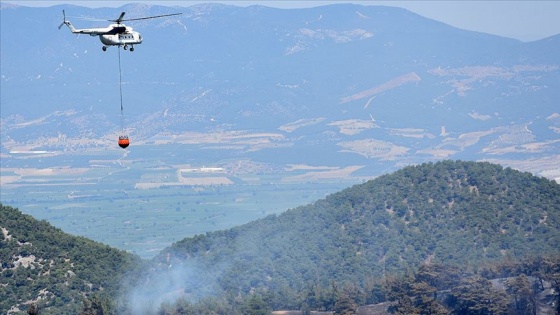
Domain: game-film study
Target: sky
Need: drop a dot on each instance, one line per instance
(522, 20)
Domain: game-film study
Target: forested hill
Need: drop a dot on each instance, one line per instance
(63, 274)
(451, 212)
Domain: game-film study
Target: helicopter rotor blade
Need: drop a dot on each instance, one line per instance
(92, 19)
(119, 20)
(120, 17)
(151, 17)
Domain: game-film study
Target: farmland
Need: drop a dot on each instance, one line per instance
(143, 204)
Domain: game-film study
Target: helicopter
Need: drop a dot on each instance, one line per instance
(116, 34)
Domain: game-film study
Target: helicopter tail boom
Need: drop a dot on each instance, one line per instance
(90, 31)
(70, 26)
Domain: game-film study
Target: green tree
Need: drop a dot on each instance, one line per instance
(475, 295)
(344, 305)
(399, 291)
(550, 271)
(255, 305)
(98, 305)
(425, 301)
(525, 299)
(33, 309)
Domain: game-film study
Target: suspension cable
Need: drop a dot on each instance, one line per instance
(120, 89)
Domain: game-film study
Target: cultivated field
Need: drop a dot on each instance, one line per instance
(144, 205)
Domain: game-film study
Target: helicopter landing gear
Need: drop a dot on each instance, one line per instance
(104, 48)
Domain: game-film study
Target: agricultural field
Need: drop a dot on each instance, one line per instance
(143, 204)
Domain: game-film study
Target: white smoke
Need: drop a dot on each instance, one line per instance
(169, 282)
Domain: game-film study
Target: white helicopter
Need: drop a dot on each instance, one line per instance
(115, 34)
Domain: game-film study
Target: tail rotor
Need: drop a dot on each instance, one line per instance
(63, 20)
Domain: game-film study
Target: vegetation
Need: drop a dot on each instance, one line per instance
(448, 237)
(498, 288)
(45, 268)
(459, 213)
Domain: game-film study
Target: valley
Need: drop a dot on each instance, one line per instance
(142, 205)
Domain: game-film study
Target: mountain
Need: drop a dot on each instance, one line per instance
(357, 83)
(451, 213)
(280, 100)
(43, 265)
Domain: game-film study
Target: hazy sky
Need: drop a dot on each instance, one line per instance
(523, 20)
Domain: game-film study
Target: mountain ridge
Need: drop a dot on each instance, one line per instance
(243, 85)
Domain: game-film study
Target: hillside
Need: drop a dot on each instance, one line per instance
(55, 271)
(456, 213)
(436, 226)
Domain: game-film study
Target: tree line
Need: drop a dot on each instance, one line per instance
(516, 287)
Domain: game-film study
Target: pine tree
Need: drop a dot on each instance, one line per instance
(33, 309)
(344, 305)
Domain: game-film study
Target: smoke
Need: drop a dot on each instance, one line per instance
(167, 282)
(200, 274)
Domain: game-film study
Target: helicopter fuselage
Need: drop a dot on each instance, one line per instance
(122, 39)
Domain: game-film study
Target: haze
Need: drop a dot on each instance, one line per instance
(522, 20)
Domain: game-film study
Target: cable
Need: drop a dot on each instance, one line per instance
(120, 89)
(123, 137)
